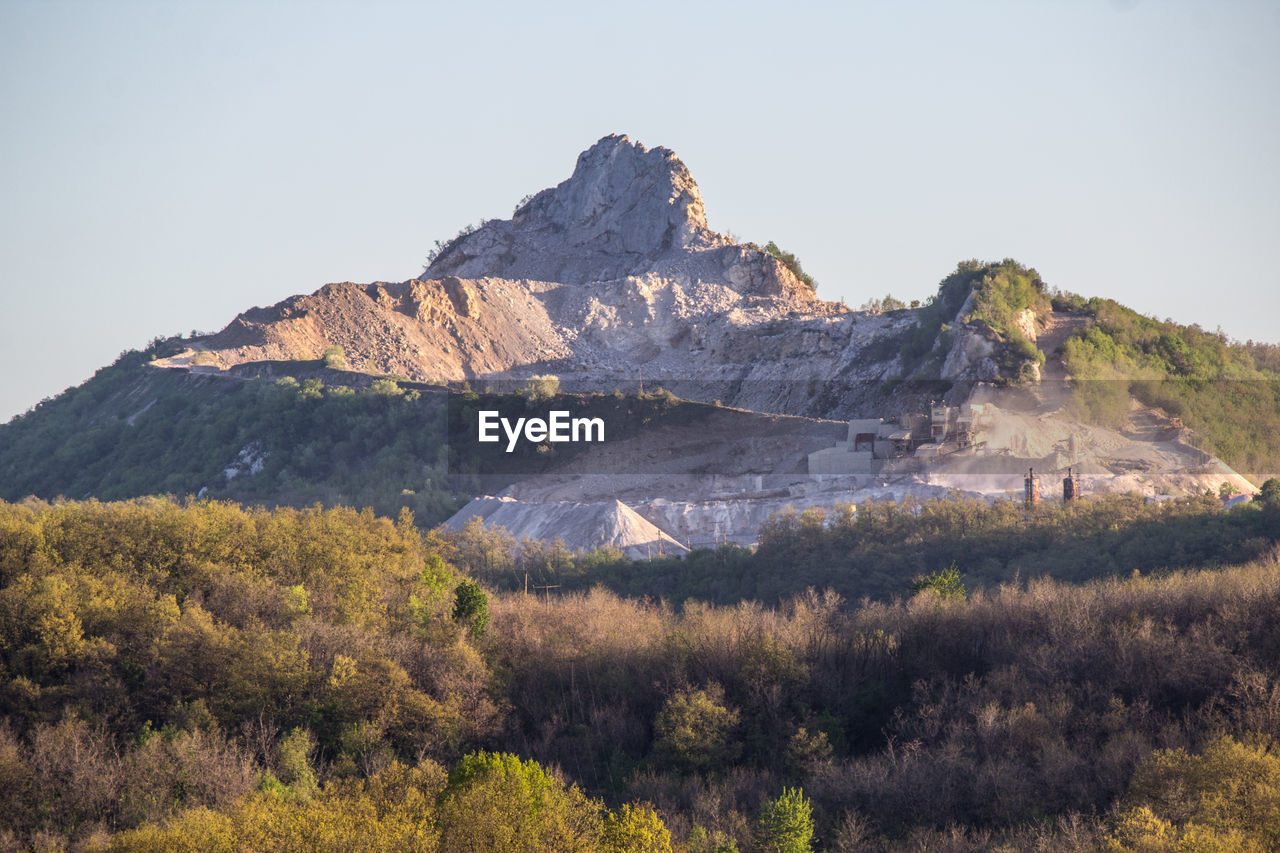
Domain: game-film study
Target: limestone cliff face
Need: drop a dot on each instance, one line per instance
(625, 211)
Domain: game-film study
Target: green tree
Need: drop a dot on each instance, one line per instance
(1269, 494)
(539, 388)
(334, 357)
(471, 606)
(888, 303)
(293, 763)
(385, 388)
(1226, 797)
(295, 602)
(694, 731)
(944, 584)
(785, 824)
(498, 802)
(701, 841)
(791, 262)
(312, 389)
(635, 829)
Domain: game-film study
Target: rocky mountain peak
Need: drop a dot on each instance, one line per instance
(623, 211)
(646, 198)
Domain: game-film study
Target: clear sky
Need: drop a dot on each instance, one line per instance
(164, 166)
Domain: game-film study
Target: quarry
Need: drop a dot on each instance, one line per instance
(974, 450)
(613, 282)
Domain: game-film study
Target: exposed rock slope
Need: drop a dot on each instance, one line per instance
(623, 210)
(611, 278)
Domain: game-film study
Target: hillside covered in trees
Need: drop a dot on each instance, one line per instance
(203, 676)
(313, 434)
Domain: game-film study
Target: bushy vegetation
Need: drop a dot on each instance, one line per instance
(209, 637)
(541, 388)
(1018, 713)
(335, 358)
(1224, 797)
(1228, 393)
(791, 262)
(994, 295)
(444, 247)
(131, 431)
(486, 802)
(210, 677)
(885, 546)
(888, 302)
(940, 310)
(1001, 292)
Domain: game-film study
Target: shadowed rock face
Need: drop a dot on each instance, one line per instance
(624, 211)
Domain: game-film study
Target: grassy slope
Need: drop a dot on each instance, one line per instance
(1228, 393)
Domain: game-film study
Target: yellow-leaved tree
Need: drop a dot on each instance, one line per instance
(1226, 797)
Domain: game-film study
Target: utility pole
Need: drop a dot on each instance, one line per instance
(547, 588)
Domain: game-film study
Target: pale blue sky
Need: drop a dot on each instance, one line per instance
(164, 166)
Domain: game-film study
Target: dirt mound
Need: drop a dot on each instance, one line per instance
(581, 526)
(422, 330)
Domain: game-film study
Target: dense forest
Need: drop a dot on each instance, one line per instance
(950, 674)
(204, 676)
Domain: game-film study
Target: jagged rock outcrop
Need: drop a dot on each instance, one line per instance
(970, 355)
(625, 211)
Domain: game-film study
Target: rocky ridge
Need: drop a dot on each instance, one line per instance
(610, 279)
(626, 211)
